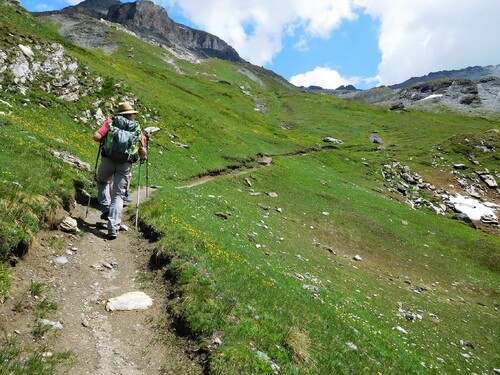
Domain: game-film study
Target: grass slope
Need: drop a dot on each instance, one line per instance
(275, 281)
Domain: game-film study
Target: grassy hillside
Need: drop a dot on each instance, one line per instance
(268, 267)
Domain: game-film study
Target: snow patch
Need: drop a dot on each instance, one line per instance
(432, 97)
(473, 208)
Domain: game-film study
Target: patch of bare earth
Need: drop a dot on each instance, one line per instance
(101, 342)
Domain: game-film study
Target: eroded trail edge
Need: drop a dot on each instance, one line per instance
(81, 272)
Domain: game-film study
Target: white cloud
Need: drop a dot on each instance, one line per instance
(415, 37)
(324, 77)
(269, 20)
(418, 37)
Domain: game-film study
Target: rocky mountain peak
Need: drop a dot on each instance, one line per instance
(151, 22)
(141, 16)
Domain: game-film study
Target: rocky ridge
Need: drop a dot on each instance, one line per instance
(473, 90)
(151, 23)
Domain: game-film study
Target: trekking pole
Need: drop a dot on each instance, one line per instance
(138, 196)
(147, 165)
(94, 181)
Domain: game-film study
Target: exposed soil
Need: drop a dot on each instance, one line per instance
(101, 342)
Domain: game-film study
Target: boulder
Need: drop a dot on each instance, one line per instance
(69, 225)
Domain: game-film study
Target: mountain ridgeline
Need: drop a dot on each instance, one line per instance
(152, 22)
(473, 90)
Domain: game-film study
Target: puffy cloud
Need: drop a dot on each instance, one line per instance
(418, 37)
(256, 28)
(324, 77)
(415, 37)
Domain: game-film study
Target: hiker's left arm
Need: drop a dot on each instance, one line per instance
(101, 133)
(142, 148)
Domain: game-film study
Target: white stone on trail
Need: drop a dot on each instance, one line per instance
(55, 325)
(357, 258)
(61, 260)
(130, 301)
(69, 225)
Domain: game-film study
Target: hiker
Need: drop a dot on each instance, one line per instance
(122, 144)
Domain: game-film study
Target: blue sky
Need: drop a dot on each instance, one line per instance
(330, 43)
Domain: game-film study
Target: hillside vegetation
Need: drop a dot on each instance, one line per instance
(314, 264)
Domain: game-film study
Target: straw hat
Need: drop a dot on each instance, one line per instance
(125, 108)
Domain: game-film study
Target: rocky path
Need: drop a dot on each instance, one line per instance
(80, 273)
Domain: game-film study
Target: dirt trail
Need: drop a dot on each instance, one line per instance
(102, 342)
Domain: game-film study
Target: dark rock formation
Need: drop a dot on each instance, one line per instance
(473, 73)
(346, 88)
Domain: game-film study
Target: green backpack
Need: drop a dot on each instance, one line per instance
(122, 140)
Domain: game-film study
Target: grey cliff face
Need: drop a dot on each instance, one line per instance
(142, 16)
(150, 20)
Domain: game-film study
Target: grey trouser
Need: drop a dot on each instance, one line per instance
(113, 205)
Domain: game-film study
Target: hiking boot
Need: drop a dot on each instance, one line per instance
(127, 198)
(104, 216)
(112, 234)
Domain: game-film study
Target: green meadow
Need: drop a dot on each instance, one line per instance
(270, 266)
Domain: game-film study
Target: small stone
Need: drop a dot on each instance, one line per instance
(332, 140)
(313, 289)
(357, 258)
(61, 260)
(401, 329)
(222, 215)
(55, 325)
(272, 194)
(124, 228)
(352, 346)
(410, 316)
